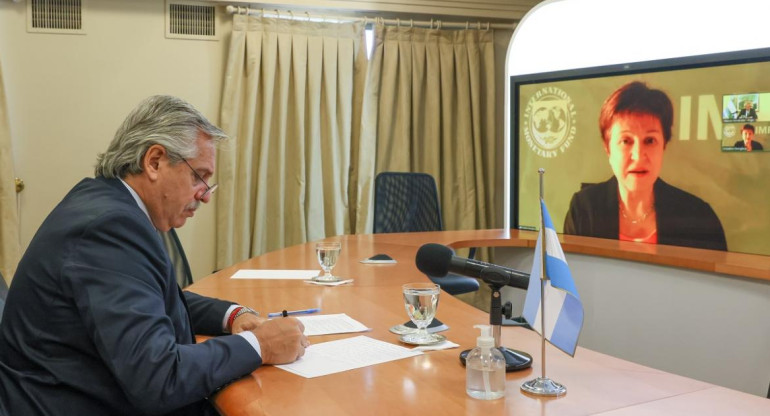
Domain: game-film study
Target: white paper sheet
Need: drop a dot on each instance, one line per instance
(346, 354)
(275, 274)
(339, 323)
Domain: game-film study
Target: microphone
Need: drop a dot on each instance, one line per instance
(438, 260)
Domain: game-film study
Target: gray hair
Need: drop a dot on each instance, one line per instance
(160, 119)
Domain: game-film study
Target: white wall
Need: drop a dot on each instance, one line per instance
(586, 33)
(67, 94)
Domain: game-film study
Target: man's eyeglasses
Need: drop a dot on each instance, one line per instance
(209, 189)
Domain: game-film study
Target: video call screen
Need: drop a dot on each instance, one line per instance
(719, 150)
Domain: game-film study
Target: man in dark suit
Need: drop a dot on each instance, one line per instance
(95, 323)
(747, 113)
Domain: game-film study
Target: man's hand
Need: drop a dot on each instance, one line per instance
(281, 340)
(247, 322)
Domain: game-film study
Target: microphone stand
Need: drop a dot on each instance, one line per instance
(514, 359)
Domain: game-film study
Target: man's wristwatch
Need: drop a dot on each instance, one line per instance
(245, 309)
(240, 310)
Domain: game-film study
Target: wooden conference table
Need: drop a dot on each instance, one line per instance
(434, 383)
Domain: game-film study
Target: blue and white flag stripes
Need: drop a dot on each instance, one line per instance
(563, 309)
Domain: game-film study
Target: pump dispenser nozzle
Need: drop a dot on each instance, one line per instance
(485, 340)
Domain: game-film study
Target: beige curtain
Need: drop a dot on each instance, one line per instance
(434, 96)
(10, 250)
(291, 100)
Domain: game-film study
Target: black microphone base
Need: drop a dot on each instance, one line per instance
(515, 360)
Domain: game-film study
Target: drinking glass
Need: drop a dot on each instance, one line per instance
(327, 258)
(421, 302)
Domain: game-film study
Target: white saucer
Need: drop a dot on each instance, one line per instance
(338, 282)
(335, 279)
(436, 338)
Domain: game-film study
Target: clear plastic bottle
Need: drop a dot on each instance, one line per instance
(485, 368)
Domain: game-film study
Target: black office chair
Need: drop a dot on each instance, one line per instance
(3, 295)
(408, 202)
(178, 258)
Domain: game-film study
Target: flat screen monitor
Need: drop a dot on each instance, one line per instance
(709, 175)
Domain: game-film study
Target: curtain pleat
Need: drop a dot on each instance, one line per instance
(292, 102)
(435, 113)
(10, 247)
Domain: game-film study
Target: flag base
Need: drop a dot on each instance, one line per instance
(543, 387)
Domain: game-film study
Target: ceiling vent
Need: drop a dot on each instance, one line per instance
(55, 16)
(190, 20)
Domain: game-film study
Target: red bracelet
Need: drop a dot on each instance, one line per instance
(231, 318)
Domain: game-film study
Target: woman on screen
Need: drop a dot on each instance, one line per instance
(635, 204)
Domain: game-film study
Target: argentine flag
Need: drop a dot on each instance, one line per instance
(563, 309)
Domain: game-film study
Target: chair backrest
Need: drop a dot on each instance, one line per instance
(3, 295)
(178, 258)
(406, 202)
(3, 288)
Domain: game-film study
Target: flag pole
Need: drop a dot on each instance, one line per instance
(543, 277)
(542, 386)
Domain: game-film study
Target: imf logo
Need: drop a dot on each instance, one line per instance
(729, 131)
(549, 122)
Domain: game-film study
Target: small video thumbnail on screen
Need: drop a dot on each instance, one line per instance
(745, 128)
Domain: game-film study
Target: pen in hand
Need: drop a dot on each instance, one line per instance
(298, 312)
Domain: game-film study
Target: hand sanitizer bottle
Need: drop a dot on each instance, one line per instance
(485, 368)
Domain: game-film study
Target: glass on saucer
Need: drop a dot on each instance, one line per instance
(327, 253)
(421, 302)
